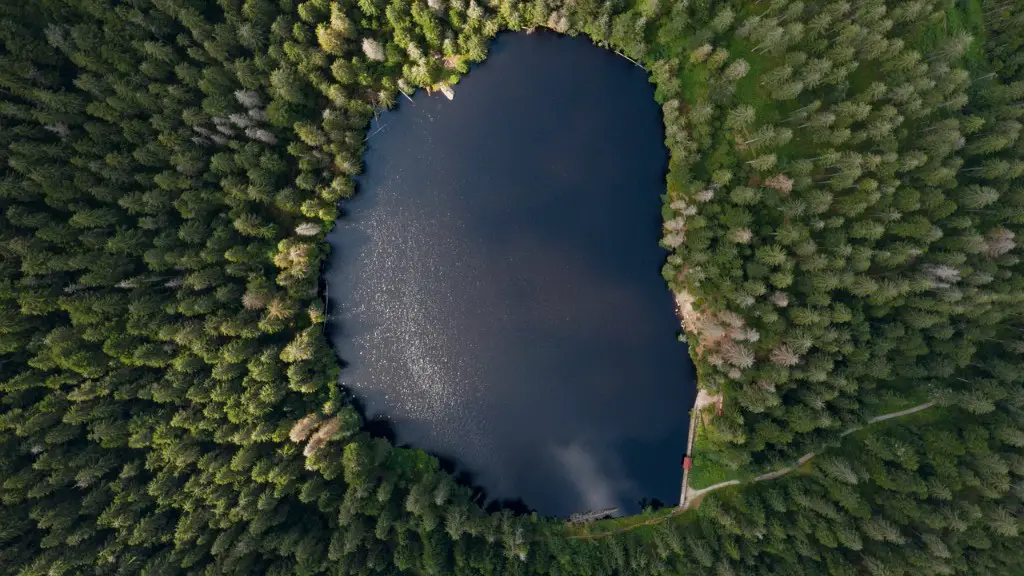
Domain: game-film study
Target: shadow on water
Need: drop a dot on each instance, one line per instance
(381, 426)
(652, 503)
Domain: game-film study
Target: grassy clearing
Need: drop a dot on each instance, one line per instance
(707, 470)
(960, 15)
(641, 524)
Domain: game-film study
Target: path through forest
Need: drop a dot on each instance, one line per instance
(694, 495)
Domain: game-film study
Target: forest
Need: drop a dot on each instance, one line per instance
(841, 209)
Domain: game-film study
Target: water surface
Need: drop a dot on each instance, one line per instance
(495, 284)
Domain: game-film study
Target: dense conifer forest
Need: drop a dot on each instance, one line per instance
(842, 205)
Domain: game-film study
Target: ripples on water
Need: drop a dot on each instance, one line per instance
(496, 281)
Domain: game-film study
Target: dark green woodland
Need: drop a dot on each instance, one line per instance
(844, 193)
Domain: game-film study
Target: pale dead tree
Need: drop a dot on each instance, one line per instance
(735, 373)
(303, 428)
(405, 88)
(780, 299)
(436, 5)
(753, 335)
(706, 195)
(254, 299)
(322, 436)
(307, 229)
(710, 329)
(766, 385)
(373, 49)
(731, 318)
(741, 235)
(783, 355)
(414, 51)
(248, 98)
(673, 240)
(678, 205)
(738, 355)
(261, 134)
(293, 254)
(257, 114)
(999, 241)
(474, 11)
(941, 276)
(701, 54)
(675, 224)
(738, 69)
(780, 182)
(240, 120)
(558, 22)
(314, 444)
(715, 360)
(59, 128)
(279, 309)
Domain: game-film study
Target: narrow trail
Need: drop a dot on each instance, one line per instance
(694, 495)
(694, 414)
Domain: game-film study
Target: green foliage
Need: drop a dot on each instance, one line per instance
(842, 204)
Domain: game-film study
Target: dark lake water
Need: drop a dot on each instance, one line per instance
(495, 284)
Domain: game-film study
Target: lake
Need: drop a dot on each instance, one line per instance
(495, 285)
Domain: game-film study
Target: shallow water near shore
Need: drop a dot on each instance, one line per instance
(495, 285)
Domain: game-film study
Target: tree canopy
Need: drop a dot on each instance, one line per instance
(841, 209)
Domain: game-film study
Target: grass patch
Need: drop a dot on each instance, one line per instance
(749, 90)
(639, 523)
(707, 469)
(694, 80)
(960, 15)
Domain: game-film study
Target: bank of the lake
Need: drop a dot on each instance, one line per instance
(495, 284)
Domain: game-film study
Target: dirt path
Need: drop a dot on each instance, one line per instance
(901, 413)
(694, 495)
(694, 414)
(702, 401)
